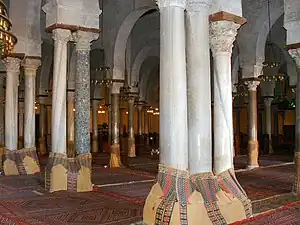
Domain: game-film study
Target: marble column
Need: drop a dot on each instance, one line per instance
(268, 121)
(199, 88)
(95, 105)
(2, 108)
(173, 117)
(237, 132)
(71, 120)
(42, 127)
(49, 127)
(109, 111)
(21, 124)
(295, 54)
(82, 92)
(131, 140)
(121, 122)
(146, 125)
(140, 121)
(11, 102)
(59, 91)
(115, 157)
(30, 68)
(253, 147)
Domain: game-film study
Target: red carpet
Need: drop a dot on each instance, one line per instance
(287, 215)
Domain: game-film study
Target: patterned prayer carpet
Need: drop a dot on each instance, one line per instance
(286, 215)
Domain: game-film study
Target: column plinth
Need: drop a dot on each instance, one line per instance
(253, 146)
(131, 140)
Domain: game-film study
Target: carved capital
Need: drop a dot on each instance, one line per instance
(268, 102)
(222, 36)
(171, 3)
(61, 36)
(295, 54)
(115, 88)
(252, 84)
(83, 40)
(198, 5)
(12, 64)
(31, 66)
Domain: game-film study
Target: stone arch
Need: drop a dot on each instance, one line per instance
(140, 58)
(263, 32)
(121, 40)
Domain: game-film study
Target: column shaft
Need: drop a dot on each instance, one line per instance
(49, 127)
(121, 122)
(140, 122)
(199, 91)
(2, 109)
(21, 124)
(42, 128)
(71, 120)
(268, 104)
(30, 69)
(109, 111)
(146, 125)
(131, 140)
(59, 98)
(11, 103)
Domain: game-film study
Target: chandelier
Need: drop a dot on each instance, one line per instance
(7, 39)
(105, 76)
(272, 78)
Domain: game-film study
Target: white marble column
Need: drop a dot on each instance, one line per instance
(59, 91)
(95, 104)
(11, 102)
(253, 148)
(131, 139)
(268, 121)
(30, 68)
(223, 34)
(82, 91)
(199, 87)
(70, 122)
(173, 97)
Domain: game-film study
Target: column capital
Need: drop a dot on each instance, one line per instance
(222, 36)
(295, 54)
(115, 87)
(83, 40)
(131, 99)
(12, 64)
(61, 35)
(198, 5)
(252, 84)
(268, 101)
(171, 3)
(30, 66)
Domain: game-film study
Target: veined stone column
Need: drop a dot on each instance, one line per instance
(295, 53)
(222, 36)
(173, 176)
(95, 104)
(131, 140)
(30, 68)
(57, 168)
(21, 124)
(71, 120)
(115, 157)
(252, 120)
(11, 101)
(268, 104)
(42, 126)
(2, 108)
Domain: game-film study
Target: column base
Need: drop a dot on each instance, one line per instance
(71, 150)
(131, 148)
(115, 158)
(42, 144)
(177, 198)
(296, 185)
(253, 154)
(95, 144)
(20, 162)
(69, 174)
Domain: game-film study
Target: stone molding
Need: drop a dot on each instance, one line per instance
(198, 5)
(171, 3)
(12, 65)
(295, 54)
(61, 35)
(31, 66)
(83, 40)
(72, 28)
(222, 36)
(252, 84)
(225, 16)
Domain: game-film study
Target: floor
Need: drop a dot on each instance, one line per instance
(119, 194)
